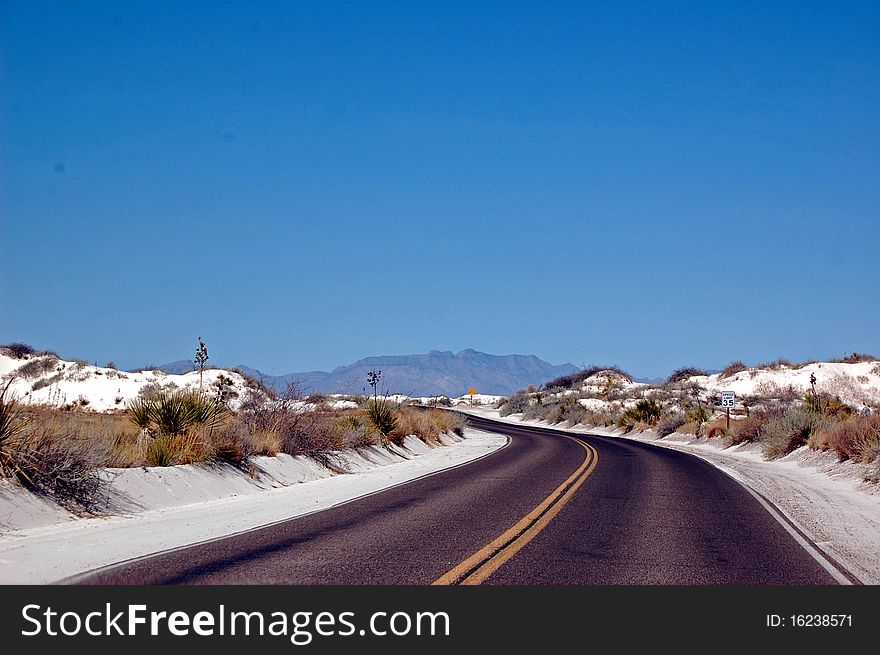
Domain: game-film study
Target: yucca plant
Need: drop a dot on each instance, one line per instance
(175, 412)
(382, 416)
(139, 411)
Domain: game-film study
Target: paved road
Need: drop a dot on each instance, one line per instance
(610, 511)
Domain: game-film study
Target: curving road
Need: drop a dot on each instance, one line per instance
(546, 509)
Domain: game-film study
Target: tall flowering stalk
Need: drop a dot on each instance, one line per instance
(201, 360)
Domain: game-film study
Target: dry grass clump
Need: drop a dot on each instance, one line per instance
(790, 431)
(857, 439)
(51, 455)
(716, 428)
(752, 428)
(669, 423)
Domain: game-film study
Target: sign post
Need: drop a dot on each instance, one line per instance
(728, 400)
(472, 391)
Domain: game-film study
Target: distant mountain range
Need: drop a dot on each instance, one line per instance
(431, 374)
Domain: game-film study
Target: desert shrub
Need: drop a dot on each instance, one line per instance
(790, 431)
(682, 374)
(13, 421)
(17, 350)
(715, 428)
(573, 379)
(64, 465)
(230, 444)
(49, 456)
(857, 439)
(571, 412)
(770, 390)
(312, 434)
(835, 407)
(646, 411)
(537, 412)
(45, 382)
(599, 418)
(752, 428)
(37, 367)
(516, 404)
(670, 422)
(155, 390)
(733, 368)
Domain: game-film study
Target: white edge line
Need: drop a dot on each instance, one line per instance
(74, 579)
(776, 512)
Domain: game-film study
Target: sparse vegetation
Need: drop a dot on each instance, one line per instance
(37, 367)
(574, 379)
(516, 404)
(776, 364)
(733, 368)
(46, 382)
(47, 456)
(682, 374)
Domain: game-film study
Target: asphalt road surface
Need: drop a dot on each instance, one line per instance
(546, 509)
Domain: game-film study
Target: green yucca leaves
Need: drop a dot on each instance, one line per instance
(381, 415)
(175, 412)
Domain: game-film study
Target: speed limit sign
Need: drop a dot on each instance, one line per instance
(728, 399)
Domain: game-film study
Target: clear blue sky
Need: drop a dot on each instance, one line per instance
(305, 184)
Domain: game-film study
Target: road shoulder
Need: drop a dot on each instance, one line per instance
(50, 553)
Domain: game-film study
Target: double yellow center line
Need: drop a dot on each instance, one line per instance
(483, 563)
